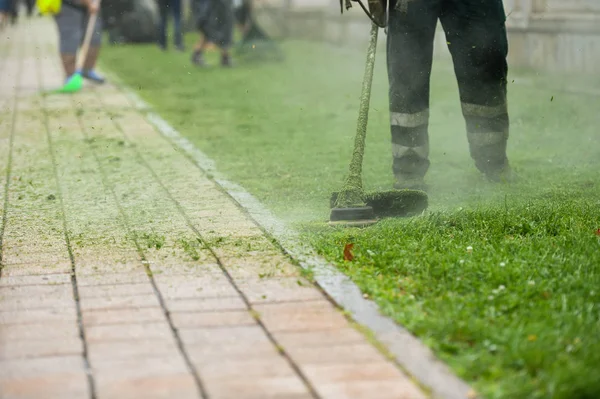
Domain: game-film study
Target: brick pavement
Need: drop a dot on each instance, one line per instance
(127, 273)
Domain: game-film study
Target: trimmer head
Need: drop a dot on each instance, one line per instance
(352, 217)
(392, 203)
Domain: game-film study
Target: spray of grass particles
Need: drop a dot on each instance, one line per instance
(351, 194)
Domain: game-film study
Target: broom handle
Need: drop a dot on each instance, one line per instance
(88, 38)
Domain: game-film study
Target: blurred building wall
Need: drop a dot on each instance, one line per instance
(546, 35)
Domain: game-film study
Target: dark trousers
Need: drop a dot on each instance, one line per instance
(476, 35)
(13, 11)
(167, 7)
(29, 4)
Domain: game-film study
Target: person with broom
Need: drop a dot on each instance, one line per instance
(477, 39)
(215, 21)
(72, 21)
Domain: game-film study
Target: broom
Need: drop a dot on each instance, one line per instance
(75, 82)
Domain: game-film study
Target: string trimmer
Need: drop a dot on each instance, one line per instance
(351, 206)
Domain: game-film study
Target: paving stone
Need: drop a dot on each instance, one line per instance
(176, 253)
(300, 316)
(179, 386)
(95, 262)
(258, 388)
(42, 292)
(39, 262)
(319, 338)
(115, 267)
(101, 352)
(111, 278)
(118, 100)
(30, 348)
(368, 390)
(203, 353)
(54, 330)
(273, 366)
(24, 302)
(225, 303)
(111, 370)
(167, 267)
(181, 287)
(351, 353)
(51, 385)
(122, 316)
(67, 313)
(124, 332)
(106, 290)
(28, 269)
(250, 335)
(23, 245)
(252, 268)
(50, 279)
(212, 319)
(319, 374)
(23, 368)
(118, 302)
(278, 290)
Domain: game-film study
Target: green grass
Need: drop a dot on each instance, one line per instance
(518, 316)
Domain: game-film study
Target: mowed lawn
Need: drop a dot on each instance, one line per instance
(503, 282)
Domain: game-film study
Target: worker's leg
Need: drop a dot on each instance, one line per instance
(69, 21)
(409, 57)
(199, 48)
(476, 35)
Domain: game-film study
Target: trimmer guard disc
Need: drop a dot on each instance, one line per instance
(352, 217)
(353, 223)
(397, 203)
(355, 213)
(393, 203)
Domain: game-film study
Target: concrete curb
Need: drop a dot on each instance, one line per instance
(410, 353)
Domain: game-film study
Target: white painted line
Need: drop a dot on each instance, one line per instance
(410, 353)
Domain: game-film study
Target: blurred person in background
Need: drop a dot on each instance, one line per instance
(72, 22)
(165, 8)
(215, 20)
